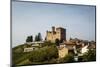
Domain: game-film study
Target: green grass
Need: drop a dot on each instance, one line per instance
(40, 56)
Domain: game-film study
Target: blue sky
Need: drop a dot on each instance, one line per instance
(30, 18)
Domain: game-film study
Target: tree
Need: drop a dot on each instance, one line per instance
(61, 41)
(29, 39)
(46, 54)
(89, 56)
(51, 52)
(70, 38)
(57, 42)
(45, 38)
(38, 37)
(48, 43)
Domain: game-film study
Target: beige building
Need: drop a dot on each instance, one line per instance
(56, 33)
(63, 51)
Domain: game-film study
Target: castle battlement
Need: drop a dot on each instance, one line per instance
(56, 33)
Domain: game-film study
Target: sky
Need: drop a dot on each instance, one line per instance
(30, 18)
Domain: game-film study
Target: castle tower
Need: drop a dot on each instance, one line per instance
(61, 32)
(58, 33)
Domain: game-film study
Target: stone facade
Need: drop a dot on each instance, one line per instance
(62, 51)
(56, 33)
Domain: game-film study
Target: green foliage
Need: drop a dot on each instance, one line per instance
(57, 42)
(37, 56)
(68, 58)
(46, 53)
(52, 52)
(29, 39)
(18, 57)
(18, 49)
(61, 41)
(48, 43)
(38, 37)
(90, 55)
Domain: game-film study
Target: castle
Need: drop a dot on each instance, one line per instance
(56, 33)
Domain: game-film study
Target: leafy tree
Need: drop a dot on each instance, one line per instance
(38, 56)
(57, 42)
(29, 39)
(70, 38)
(45, 54)
(52, 52)
(48, 43)
(89, 56)
(38, 37)
(45, 38)
(61, 41)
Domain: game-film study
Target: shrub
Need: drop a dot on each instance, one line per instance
(68, 58)
(44, 54)
(90, 55)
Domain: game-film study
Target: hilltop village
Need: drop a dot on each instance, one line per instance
(57, 36)
(64, 46)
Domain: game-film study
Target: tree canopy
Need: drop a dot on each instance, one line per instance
(38, 37)
(29, 39)
(90, 55)
(57, 42)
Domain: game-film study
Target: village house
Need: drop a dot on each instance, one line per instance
(33, 46)
(28, 49)
(74, 46)
(64, 49)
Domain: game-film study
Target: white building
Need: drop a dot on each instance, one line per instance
(84, 49)
(34, 46)
(28, 49)
(37, 43)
